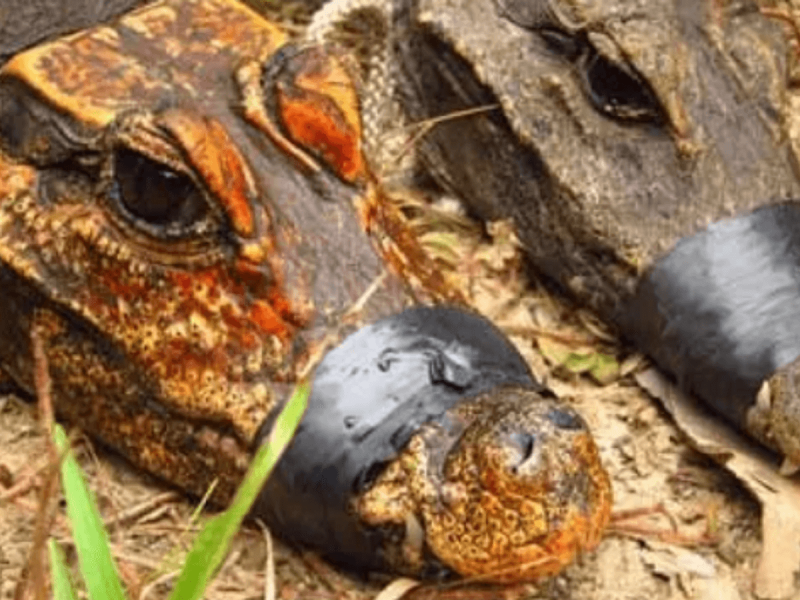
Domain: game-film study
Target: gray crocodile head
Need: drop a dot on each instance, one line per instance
(620, 127)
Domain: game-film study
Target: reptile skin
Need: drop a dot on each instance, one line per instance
(641, 149)
(187, 220)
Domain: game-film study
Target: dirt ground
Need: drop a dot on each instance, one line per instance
(703, 543)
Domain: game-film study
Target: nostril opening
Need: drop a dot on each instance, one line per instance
(526, 443)
(564, 419)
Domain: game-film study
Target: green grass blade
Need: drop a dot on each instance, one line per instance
(91, 542)
(62, 585)
(211, 545)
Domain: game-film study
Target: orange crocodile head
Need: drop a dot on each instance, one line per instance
(176, 218)
(185, 216)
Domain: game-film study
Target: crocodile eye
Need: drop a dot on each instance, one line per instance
(160, 200)
(616, 91)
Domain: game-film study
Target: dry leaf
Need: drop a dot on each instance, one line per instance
(719, 588)
(601, 367)
(669, 560)
(397, 589)
(757, 470)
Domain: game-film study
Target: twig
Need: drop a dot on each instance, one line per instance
(269, 566)
(423, 127)
(643, 532)
(26, 482)
(141, 509)
(34, 571)
(154, 584)
(534, 332)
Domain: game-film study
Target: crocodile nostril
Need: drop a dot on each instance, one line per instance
(525, 444)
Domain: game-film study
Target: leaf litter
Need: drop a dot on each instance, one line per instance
(567, 350)
(649, 459)
(617, 411)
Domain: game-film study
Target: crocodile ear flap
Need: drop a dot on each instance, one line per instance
(311, 95)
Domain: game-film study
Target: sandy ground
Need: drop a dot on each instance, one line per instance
(704, 543)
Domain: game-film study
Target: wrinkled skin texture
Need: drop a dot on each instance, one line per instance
(186, 222)
(166, 239)
(610, 131)
(623, 126)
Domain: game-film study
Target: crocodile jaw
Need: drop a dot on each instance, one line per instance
(171, 345)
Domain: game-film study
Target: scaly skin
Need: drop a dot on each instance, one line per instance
(186, 217)
(166, 342)
(610, 132)
(493, 509)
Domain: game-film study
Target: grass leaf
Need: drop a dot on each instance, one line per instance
(62, 585)
(91, 542)
(211, 545)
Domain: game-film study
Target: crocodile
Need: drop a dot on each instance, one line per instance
(641, 150)
(25, 23)
(187, 223)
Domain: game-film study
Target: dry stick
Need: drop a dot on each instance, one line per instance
(643, 532)
(399, 588)
(423, 127)
(470, 589)
(269, 566)
(147, 522)
(134, 559)
(34, 571)
(644, 511)
(519, 592)
(154, 584)
(563, 338)
(29, 480)
(165, 529)
(214, 585)
(358, 306)
(675, 538)
(141, 509)
(324, 573)
(333, 337)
